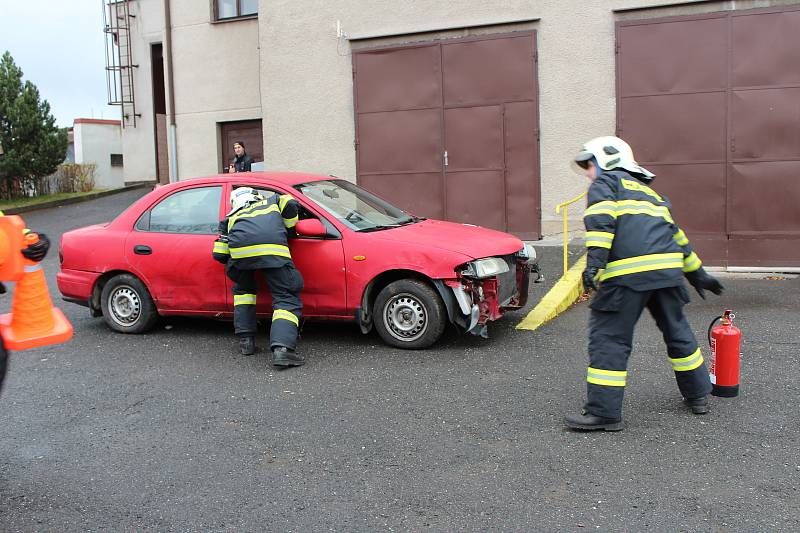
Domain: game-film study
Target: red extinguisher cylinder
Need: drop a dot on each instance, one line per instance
(725, 340)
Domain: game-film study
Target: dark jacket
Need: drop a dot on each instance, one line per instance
(256, 236)
(631, 236)
(243, 163)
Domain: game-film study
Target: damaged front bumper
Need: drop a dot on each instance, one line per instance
(487, 288)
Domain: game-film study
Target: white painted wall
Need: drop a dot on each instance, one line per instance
(95, 141)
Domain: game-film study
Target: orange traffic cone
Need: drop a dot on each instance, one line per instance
(11, 230)
(33, 320)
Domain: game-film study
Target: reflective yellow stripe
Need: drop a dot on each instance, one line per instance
(680, 238)
(628, 207)
(220, 247)
(282, 314)
(641, 207)
(259, 250)
(641, 263)
(605, 207)
(636, 186)
(610, 378)
(691, 263)
(600, 239)
(254, 210)
(682, 364)
(244, 299)
(283, 200)
(290, 222)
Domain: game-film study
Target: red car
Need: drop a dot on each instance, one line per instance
(361, 258)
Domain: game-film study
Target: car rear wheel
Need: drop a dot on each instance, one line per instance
(127, 306)
(409, 314)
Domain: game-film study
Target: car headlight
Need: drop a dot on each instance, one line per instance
(484, 268)
(527, 253)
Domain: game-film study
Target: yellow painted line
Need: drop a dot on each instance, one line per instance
(560, 298)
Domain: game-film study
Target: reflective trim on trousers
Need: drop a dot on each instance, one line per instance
(282, 314)
(690, 362)
(244, 299)
(609, 378)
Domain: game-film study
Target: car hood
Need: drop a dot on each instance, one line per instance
(472, 241)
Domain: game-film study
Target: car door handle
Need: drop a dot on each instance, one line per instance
(141, 249)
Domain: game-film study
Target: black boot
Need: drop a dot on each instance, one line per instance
(283, 357)
(589, 422)
(699, 406)
(247, 345)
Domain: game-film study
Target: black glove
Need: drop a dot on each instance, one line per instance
(701, 280)
(588, 278)
(36, 251)
(2, 288)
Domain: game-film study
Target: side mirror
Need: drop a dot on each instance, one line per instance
(310, 227)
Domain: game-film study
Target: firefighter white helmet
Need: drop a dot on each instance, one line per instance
(611, 153)
(241, 197)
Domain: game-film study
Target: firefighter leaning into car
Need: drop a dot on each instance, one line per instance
(35, 252)
(637, 257)
(254, 238)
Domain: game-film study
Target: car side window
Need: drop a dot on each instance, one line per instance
(266, 193)
(193, 211)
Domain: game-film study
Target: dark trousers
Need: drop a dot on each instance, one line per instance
(615, 311)
(285, 284)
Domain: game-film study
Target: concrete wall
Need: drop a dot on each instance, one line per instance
(95, 141)
(289, 68)
(139, 141)
(307, 88)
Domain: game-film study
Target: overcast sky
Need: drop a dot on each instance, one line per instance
(59, 45)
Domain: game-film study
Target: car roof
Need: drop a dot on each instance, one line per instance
(285, 178)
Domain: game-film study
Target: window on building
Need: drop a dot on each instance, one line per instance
(116, 160)
(228, 9)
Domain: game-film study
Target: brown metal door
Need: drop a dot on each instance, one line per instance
(763, 178)
(711, 106)
(450, 130)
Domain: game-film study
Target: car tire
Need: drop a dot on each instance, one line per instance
(127, 306)
(409, 314)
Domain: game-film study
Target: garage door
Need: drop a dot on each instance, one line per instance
(449, 129)
(712, 105)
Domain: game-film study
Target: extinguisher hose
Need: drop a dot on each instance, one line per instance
(710, 327)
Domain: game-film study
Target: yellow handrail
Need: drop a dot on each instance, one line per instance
(566, 237)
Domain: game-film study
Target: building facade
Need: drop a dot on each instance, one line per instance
(99, 142)
(471, 111)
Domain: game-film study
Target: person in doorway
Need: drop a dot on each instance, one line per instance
(241, 162)
(637, 257)
(34, 252)
(254, 240)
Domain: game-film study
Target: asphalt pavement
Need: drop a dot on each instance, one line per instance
(174, 431)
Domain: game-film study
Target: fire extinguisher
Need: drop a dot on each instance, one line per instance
(725, 341)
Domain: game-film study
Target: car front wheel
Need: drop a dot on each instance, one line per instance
(409, 314)
(127, 306)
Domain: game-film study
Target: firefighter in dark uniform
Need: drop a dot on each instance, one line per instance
(254, 239)
(637, 257)
(35, 252)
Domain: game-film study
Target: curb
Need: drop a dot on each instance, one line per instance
(558, 299)
(75, 200)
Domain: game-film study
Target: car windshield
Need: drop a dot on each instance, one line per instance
(354, 207)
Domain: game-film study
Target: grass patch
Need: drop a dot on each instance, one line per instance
(24, 202)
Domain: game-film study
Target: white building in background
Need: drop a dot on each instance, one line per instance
(99, 142)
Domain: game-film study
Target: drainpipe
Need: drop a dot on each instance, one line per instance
(173, 138)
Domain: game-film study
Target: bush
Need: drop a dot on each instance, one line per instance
(75, 177)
